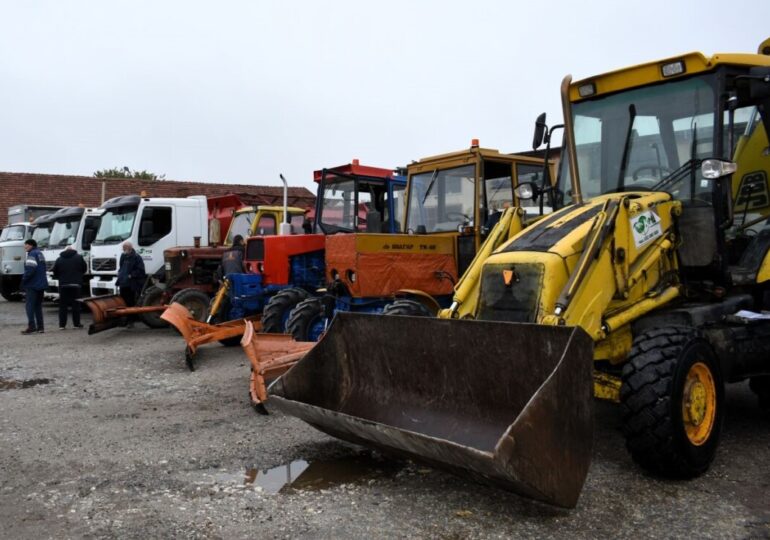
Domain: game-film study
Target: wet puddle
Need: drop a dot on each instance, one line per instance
(13, 384)
(316, 474)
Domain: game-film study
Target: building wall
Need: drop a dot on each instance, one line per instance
(66, 190)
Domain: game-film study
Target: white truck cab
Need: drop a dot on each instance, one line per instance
(152, 225)
(75, 226)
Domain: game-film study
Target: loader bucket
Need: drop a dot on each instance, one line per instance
(507, 403)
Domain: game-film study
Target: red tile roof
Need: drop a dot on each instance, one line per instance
(68, 190)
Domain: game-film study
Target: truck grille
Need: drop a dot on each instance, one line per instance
(104, 265)
(516, 302)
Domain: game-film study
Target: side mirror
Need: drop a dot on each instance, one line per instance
(712, 169)
(540, 127)
(526, 191)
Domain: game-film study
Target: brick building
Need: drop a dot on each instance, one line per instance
(68, 190)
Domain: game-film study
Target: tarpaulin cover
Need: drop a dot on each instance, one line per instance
(386, 263)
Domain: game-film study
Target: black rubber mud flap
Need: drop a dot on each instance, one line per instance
(506, 403)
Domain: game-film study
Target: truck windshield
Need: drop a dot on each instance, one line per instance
(116, 225)
(64, 233)
(441, 200)
(41, 234)
(644, 138)
(241, 224)
(13, 232)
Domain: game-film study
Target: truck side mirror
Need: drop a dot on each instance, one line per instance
(88, 238)
(539, 136)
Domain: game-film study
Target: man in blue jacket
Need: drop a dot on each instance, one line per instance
(131, 276)
(34, 284)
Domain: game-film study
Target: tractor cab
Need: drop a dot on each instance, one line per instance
(358, 198)
(463, 194)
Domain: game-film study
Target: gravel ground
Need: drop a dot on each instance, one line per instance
(122, 441)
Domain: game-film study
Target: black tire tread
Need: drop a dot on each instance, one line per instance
(645, 397)
(185, 294)
(279, 304)
(301, 316)
(407, 307)
(152, 320)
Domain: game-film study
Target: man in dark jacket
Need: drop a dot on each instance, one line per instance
(232, 259)
(131, 275)
(34, 284)
(69, 269)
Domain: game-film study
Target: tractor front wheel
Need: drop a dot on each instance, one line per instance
(672, 397)
(406, 307)
(152, 296)
(195, 301)
(306, 321)
(277, 310)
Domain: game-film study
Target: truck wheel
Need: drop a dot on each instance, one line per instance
(277, 310)
(152, 296)
(409, 308)
(672, 398)
(9, 293)
(196, 302)
(761, 387)
(306, 321)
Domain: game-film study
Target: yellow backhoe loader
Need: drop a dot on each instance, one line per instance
(647, 288)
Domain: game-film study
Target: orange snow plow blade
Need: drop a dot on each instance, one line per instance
(271, 355)
(197, 333)
(110, 311)
(509, 404)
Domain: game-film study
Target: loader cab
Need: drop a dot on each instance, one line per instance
(463, 194)
(358, 198)
(690, 127)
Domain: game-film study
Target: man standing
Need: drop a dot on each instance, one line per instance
(69, 269)
(34, 284)
(232, 259)
(131, 275)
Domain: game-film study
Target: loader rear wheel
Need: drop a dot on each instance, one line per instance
(277, 310)
(672, 397)
(152, 296)
(409, 308)
(306, 321)
(761, 387)
(195, 301)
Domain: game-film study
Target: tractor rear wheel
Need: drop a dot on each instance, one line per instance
(305, 321)
(672, 398)
(409, 308)
(277, 310)
(195, 301)
(152, 296)
(761, 387)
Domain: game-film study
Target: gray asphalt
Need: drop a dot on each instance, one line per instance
(123, 441)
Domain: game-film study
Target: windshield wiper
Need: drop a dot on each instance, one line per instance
(110, 239)
(626, 146)
(676, 174)
(430, 186)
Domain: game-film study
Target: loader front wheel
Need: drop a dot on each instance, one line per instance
(306, 321)
(672, 398)
(277, 310)
(152, 296)
(406, 307)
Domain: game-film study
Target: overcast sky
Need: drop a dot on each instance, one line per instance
(239, 91)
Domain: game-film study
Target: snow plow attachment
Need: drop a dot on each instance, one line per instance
(197, 333)
(111, 311)
(506, 403)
